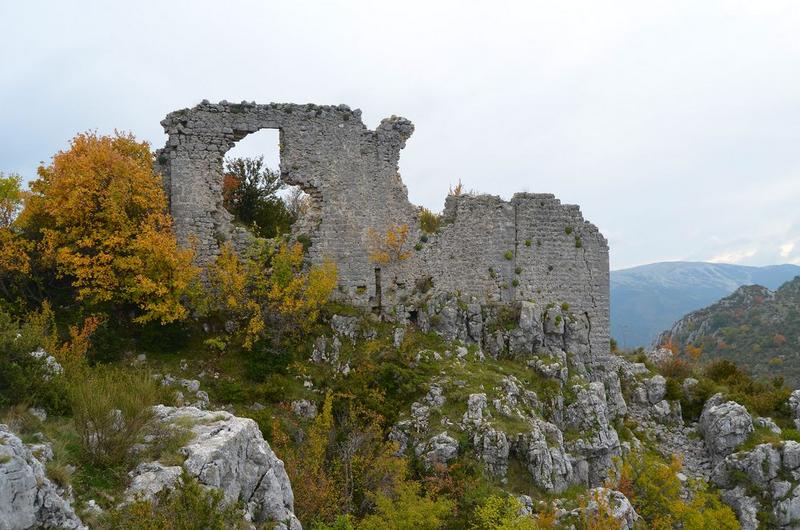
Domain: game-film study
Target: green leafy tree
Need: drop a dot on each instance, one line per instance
(250, 193)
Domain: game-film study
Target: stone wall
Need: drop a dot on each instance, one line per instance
(487, 250)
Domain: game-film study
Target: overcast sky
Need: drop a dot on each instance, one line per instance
(674, 125)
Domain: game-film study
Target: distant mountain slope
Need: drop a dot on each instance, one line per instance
(755, 327)
(646, 300)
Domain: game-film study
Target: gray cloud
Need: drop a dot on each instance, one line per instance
(674, 125)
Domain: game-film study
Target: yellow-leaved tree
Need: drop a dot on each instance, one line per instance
(14, 259)
(98, 216)
(389, 247)
(294, 295)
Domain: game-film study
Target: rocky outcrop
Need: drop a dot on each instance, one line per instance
(794, 406)
(724, 426)
(621, 508)
(28, 499)
(542, 452)
(228, 453)
(765, 479)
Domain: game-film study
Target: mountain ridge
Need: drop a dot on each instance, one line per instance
(647, 299)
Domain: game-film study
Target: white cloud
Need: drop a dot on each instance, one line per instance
(786, 249)
(733, 256)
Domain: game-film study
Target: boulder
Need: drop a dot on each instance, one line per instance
(656, 389)
(304, 409)
(28, 499)
(746, 507)
(724, 426)
(228, 453)
(794, 406)
(621, 508)
(476, 404)
(542, 451)
(492, 447)
(440, 449)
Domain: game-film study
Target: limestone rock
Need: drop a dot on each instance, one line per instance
(440, 449)
(621, 508)
(227, 452)
(492, 447)
(28, 499)
(746, 507)
(724, 426)
(305, 409)
(656, 389)
(767, 423)
(542, 451)
(794, 406)
(476, 405)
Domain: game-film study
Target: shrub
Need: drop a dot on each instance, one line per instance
(112, 407)
(527, 242)
(407, 509)
(24, 377)
(568, 230)
(501, 513)
(578, 242)
(429, 221)
(509, 255)
(190, 506)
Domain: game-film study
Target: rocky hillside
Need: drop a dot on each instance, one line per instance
(647, 299)
(755, 327)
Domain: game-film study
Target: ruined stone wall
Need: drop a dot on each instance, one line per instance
(488, 250)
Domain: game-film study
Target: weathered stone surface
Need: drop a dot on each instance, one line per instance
(440, 449)
(476, 404)
(763, 479)
(304, 409)
(542, 451)
(487, 249)
(724, 426)
(228, 453)
(28, 499)
(492, 447)
(746, 507)
(621, 508)
(794, 406)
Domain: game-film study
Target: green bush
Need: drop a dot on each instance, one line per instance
(509, 255)
(188, 507)
(23, 377)
(112, 407)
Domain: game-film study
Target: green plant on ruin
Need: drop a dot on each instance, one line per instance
(509, 255)
(429, 222)
(568, 230)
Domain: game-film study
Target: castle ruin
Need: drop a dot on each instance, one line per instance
(488, 251)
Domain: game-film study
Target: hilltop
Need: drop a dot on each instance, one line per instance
(646, 300)
(755, 327)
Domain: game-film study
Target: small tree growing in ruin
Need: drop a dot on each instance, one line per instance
(389, 247)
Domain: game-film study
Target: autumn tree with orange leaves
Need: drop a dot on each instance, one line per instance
(97, 216)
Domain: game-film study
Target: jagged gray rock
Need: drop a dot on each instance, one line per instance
(762, 479)
(794, 406)
(492, 447)
(228, 453)
(724, 426)
(28, 499)
(542, 451)
(746, 507)
(440, 449)
(621, 508)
